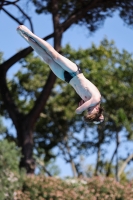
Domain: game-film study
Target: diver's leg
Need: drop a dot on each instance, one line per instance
(55, 67)
(65, 63)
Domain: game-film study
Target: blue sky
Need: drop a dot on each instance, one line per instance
(77, 37)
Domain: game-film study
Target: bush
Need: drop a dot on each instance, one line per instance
(97, 188)
(13, 187)
(10, 179)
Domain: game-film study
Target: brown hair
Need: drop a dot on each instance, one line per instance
(94, 116)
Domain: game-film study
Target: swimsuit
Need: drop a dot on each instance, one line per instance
(69, 75)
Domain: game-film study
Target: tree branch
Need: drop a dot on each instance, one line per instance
(41, 163)
(6, 3)
(10, 15)
(16, 19)
(41, 101)
(109, 167)
(1, 5)
(21, 54)
(29, 19)
(8, 101)
(78, 15)
(124, 164)
(11, 61)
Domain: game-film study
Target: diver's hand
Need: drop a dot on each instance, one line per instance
(81, 102)
(84, 105)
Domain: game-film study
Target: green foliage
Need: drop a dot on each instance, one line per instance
(10, 179)
(94, 17)
(74, 189)
(2, 127)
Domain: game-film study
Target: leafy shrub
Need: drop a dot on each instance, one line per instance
(96, 188)
(10, 179)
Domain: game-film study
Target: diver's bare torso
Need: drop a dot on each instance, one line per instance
(86, 90)
(84, 87)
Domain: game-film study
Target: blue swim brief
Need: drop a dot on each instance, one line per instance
(69, 75)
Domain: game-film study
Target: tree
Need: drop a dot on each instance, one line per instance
(64, 14)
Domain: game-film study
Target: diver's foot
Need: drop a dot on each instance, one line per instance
(25, 32)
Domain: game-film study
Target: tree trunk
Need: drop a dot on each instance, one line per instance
(100, 141)
(117, 145)
(98, 159)
(113, 155)
(25, 141)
